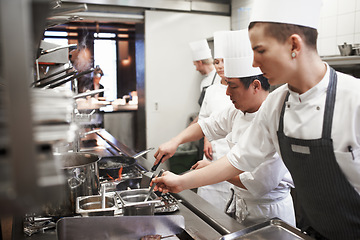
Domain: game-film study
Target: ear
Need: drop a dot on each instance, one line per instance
(296, 43)
(256, 85)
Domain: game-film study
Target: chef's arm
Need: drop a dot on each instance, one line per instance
(218, 171)
(237, 182)
(168, 149)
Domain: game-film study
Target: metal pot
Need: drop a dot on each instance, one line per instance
(82, 179)
(133, 202)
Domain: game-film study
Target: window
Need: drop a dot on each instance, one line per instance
(105, 57)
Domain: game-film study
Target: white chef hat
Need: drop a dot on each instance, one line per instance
(200, 50)
(219, 38)
(298, 12)
(238, 55)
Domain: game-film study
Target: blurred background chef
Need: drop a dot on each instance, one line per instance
(215, 101)
(96, 76)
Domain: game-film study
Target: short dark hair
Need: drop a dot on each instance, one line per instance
(282, 31)
(246, 81)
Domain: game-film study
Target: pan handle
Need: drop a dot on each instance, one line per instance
(142, 152)
(153, 169)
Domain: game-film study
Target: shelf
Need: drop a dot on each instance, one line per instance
(342, 60)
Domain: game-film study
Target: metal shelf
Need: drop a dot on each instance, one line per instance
(342, 60)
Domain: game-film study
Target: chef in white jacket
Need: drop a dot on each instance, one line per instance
(202, 59)
(215, 101)
(313, 121)
(260, 195)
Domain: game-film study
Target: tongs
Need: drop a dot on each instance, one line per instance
(153, 186)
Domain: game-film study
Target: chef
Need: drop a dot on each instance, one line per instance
(260, 195)
(202, 59)
(312, 120)
(215, 101)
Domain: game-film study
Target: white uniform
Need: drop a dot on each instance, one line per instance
(207, 80)
(268, 193)
(303, 119)
(215, 101)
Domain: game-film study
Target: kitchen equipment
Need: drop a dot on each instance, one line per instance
(82, 179)
(124, 227)
(356, 49)
(345, 49)
(92, 206)
(153, 186)
(133, 204)
(109, 166)
(150, 174)
(273, 229)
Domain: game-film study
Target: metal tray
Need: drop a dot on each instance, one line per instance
(272, 229)
(129, 227)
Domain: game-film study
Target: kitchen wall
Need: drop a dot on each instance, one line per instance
(172, 82)
(339, 23)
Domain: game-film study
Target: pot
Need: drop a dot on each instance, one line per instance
(81, 179)
(133, 202)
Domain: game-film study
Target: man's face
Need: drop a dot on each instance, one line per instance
(219, 66)
(200, 67)
(272, 57)
(242, 98)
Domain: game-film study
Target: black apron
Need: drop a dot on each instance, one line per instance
(202, 94)
(330, 203)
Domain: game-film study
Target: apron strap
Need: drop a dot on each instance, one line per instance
(330, 101)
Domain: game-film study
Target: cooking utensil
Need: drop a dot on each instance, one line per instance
(150, 174)
(61, 82)
(153, 186)
(82, 179)
(43, 52)
(53, 75)
(345, 49)
(142, 153)
(110, 165)
(133, 202)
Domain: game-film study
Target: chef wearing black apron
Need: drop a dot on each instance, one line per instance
(306, 160)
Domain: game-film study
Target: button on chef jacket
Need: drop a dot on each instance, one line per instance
(269, 181)
(303, 119)
(215, 101)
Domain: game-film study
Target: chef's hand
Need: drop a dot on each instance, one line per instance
(208, 149)
(168, 182)
(200, 164)
(167, 150)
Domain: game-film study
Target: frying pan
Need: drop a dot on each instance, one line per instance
(110, 165)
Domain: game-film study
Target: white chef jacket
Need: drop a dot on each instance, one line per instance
(207, 80)
(303, 119)
(215, 101)
(268, 184)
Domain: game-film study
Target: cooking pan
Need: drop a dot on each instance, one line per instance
(110, 165)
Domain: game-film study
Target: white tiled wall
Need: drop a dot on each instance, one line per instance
(339, 23)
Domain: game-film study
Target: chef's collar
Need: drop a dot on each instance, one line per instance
(250, 116)
(314, 92)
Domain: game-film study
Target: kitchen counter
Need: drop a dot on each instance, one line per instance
(202, 220)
